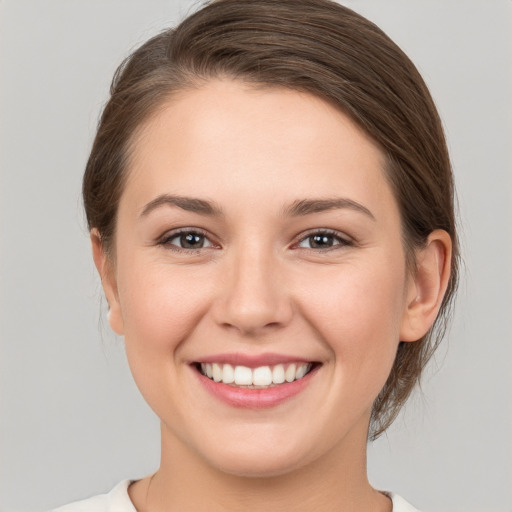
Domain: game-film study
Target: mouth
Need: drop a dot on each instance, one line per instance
(261, 377)
(255, 381)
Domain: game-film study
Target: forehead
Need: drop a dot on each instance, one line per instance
(236, 141)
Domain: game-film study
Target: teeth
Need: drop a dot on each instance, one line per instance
(263, 376)
(290, 372)
(228, 374)
(301, 371)
(217, 372)
(243, 376)
(278, 374)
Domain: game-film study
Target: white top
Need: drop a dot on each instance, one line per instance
(117, 500)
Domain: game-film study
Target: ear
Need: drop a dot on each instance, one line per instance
(108, 281)
(426, 288)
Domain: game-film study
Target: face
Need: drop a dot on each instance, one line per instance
(258, 240)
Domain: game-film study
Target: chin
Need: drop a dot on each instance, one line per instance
(267, 466)
(258, 461)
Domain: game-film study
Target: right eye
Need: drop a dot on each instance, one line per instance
(186, 240)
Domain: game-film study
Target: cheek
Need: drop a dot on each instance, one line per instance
(161, 304)
(358, 309)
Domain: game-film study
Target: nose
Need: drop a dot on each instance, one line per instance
(253, 297)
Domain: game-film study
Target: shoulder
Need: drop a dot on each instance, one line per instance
(117, 500)
(399, 504)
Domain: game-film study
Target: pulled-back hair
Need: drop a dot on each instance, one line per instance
(314, 46)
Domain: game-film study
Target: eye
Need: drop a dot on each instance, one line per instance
(323, 240)
(187, 239)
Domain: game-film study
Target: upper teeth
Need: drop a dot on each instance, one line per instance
(261, 376)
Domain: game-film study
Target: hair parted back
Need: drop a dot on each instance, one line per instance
(315, 46)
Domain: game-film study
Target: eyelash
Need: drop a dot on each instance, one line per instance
(341, 240)
(166, 240)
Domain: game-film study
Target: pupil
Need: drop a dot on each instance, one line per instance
(191, 240)
(321, 241)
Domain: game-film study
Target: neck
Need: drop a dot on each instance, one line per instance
(184, 481)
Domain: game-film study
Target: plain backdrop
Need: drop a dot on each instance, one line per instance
(72, 422)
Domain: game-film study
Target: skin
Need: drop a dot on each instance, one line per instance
(258, 285)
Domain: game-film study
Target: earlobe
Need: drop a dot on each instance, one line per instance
(427, 286)
(108, 281)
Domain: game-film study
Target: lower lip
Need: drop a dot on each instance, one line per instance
(255, 398)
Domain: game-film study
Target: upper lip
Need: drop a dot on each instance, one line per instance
(252, 360)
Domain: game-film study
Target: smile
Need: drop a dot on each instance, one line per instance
(255, 382)
(262, 377)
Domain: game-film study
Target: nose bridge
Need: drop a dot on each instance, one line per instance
(254, 295)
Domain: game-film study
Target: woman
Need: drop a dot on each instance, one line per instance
(270, 202)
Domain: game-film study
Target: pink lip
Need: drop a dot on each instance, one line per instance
(252, 361)
(255, 398)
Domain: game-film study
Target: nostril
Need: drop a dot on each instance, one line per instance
(252, 303)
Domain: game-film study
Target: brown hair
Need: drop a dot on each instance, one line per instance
(319, 47)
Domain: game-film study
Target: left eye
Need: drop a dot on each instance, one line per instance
(188, 240)
(322, 241)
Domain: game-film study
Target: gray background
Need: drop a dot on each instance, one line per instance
(72, 421)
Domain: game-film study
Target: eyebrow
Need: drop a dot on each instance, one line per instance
(298, 208)
(308, 206)
(190, 204)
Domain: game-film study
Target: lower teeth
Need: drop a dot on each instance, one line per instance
(254, 386)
